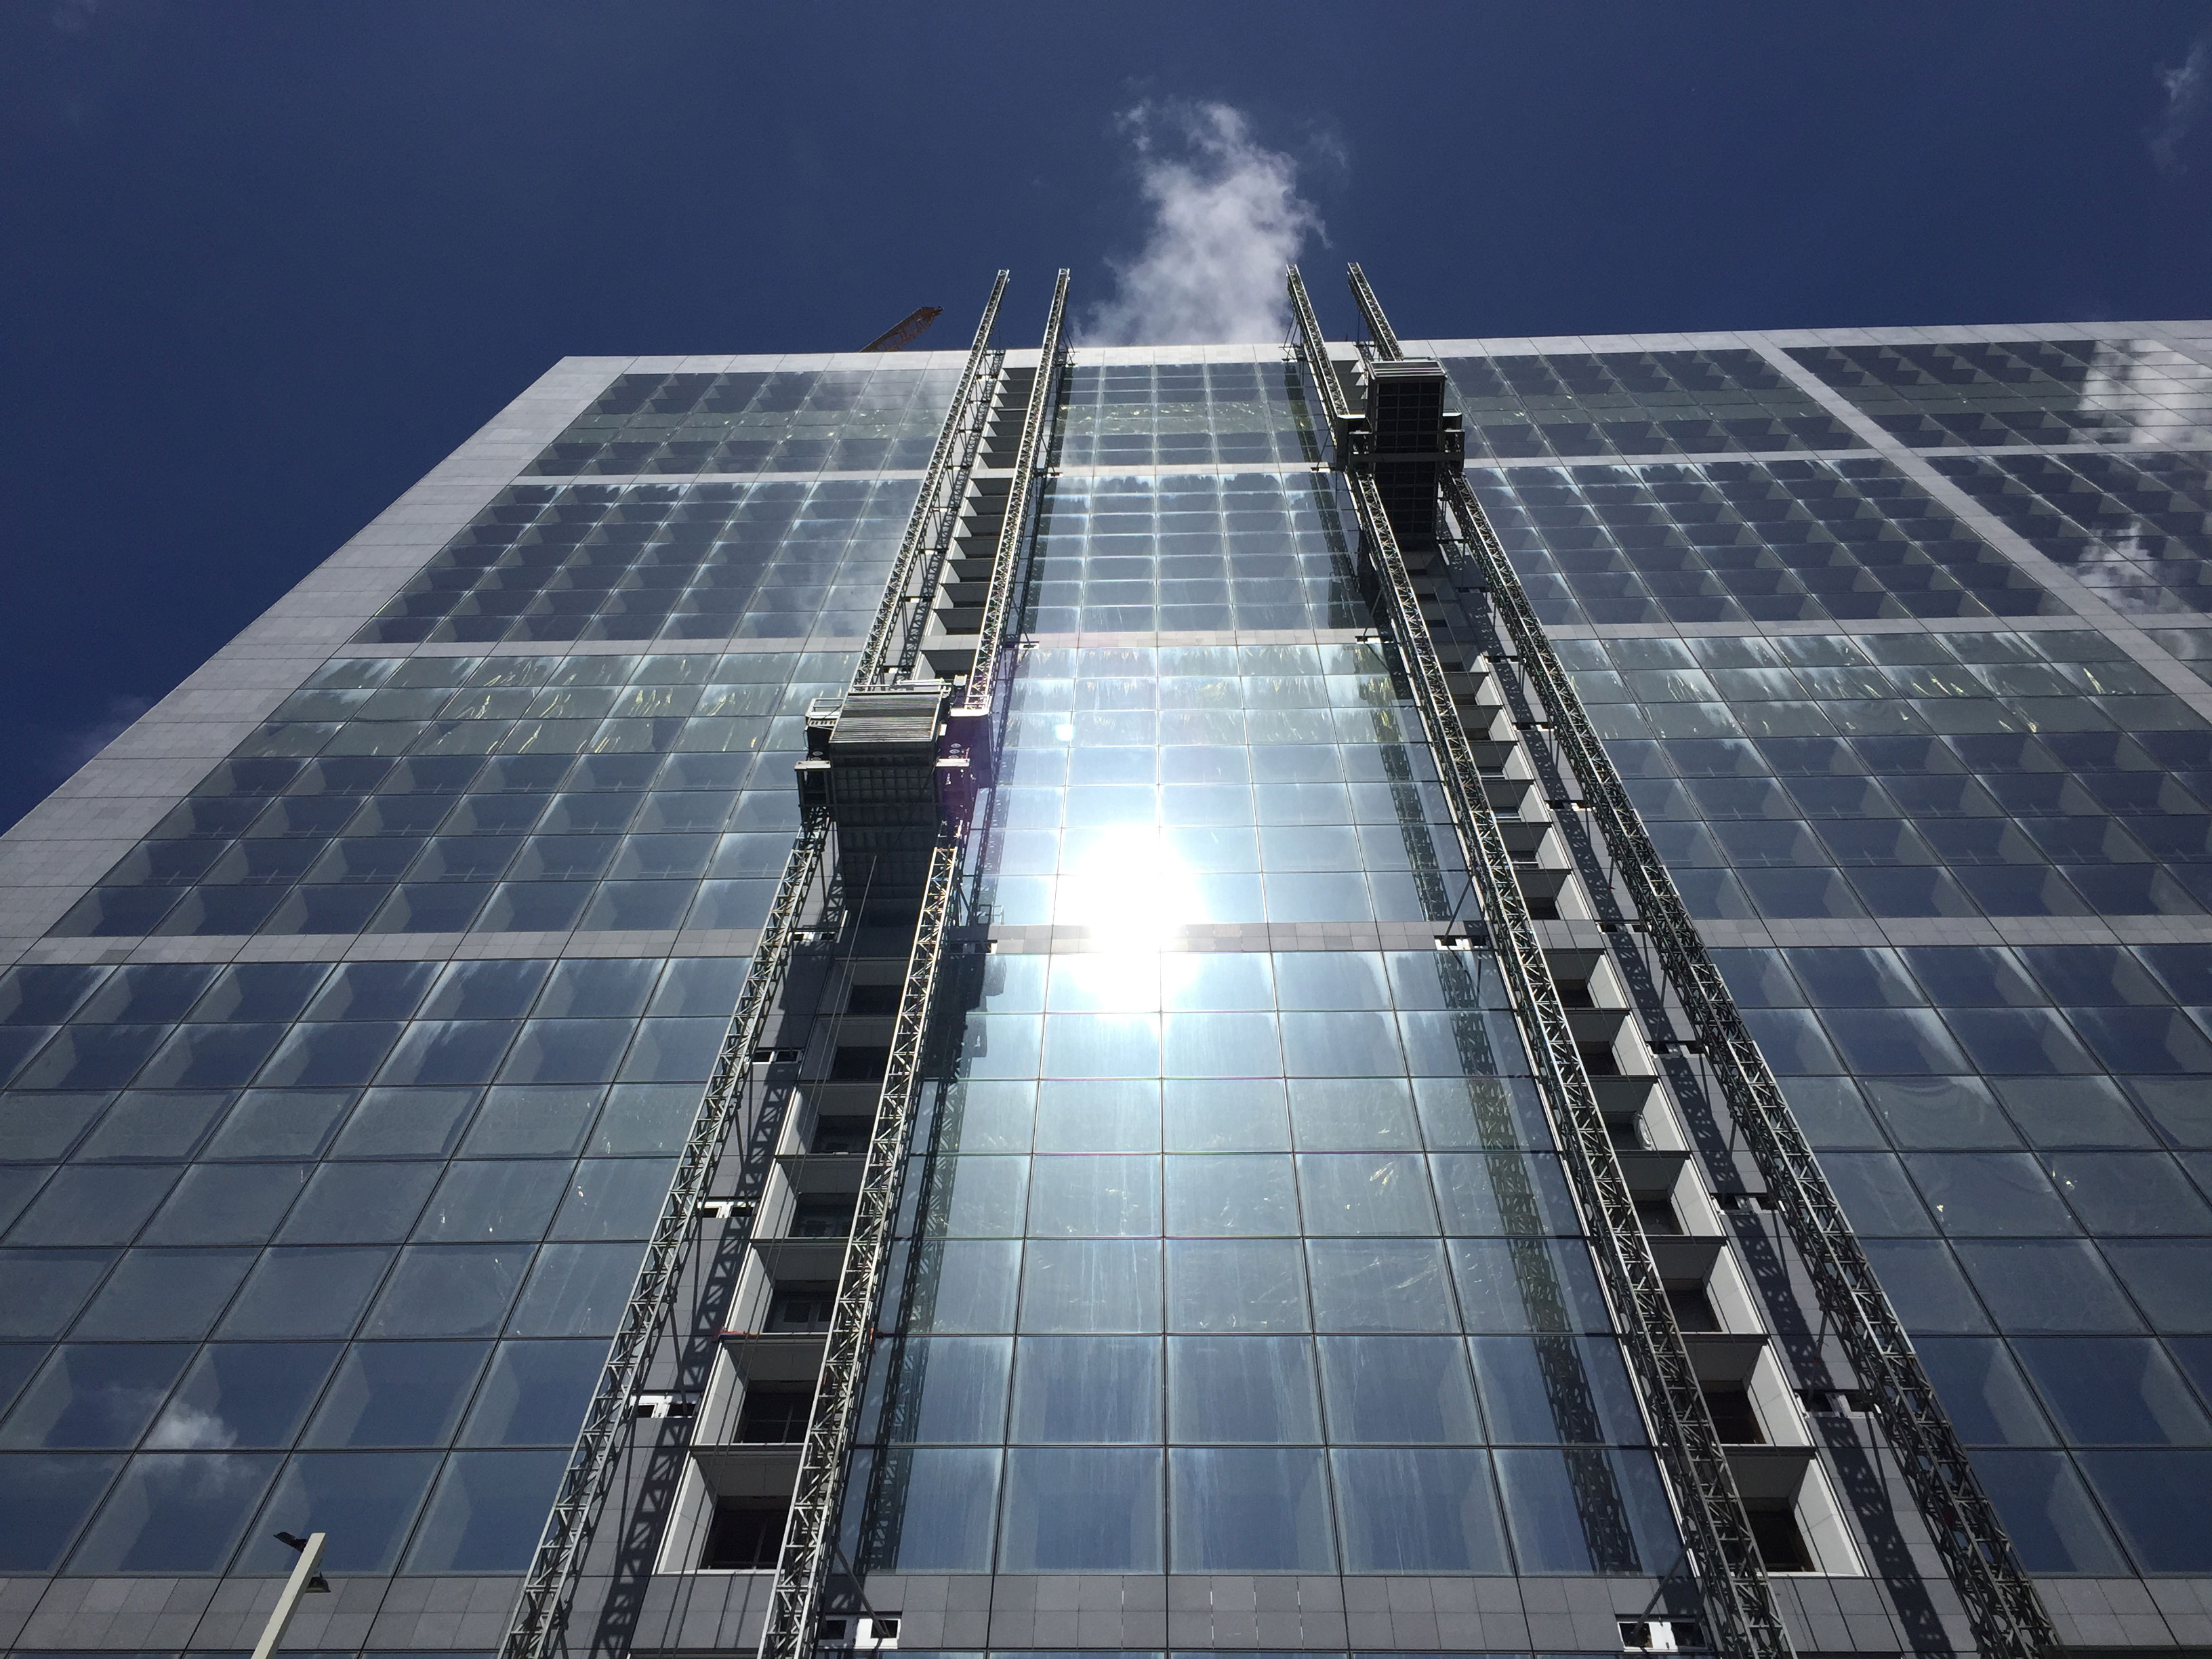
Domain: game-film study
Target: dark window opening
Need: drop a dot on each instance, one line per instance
(1734, 1420)
(839, 1137)
(746, 1533)
(1781, 1546)
(1692, 1308)
(774, 1416)
(873, 1000)
(1575, 994)
(805, 1309)
(1657, 1216)
(859, 1065)
(1598, 1059)
(822, 1217)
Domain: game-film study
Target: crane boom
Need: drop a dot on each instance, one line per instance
(907, 332)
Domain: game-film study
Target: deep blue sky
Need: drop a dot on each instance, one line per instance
(261, 266)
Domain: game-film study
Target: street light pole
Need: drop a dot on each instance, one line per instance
(303, 1580)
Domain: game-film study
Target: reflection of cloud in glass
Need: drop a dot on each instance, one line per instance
(2111, 386)
(2118, 385)
(184, 1427)
(1128, 886)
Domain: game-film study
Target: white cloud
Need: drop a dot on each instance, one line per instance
(2185, 90)
(1226, 219)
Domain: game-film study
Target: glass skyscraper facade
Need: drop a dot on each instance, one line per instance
(362, 997)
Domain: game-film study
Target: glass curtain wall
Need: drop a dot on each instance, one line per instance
(1231, 1262)
(2019, 1130)
(340, 1244)
(2015, 1124)
(1246, 1259)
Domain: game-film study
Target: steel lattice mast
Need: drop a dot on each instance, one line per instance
(936, 504)
(541, 1610)
(2008, 1620)
(809, 1536)
(1724, 1559)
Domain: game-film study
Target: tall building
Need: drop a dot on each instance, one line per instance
(1497, 997)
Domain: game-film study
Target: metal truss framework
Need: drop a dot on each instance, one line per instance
(984, 685)
(1724, 1559)
(809, 1536)
(1005, 560)
(2000, 1601)
(936, 506)
(541, 1611)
